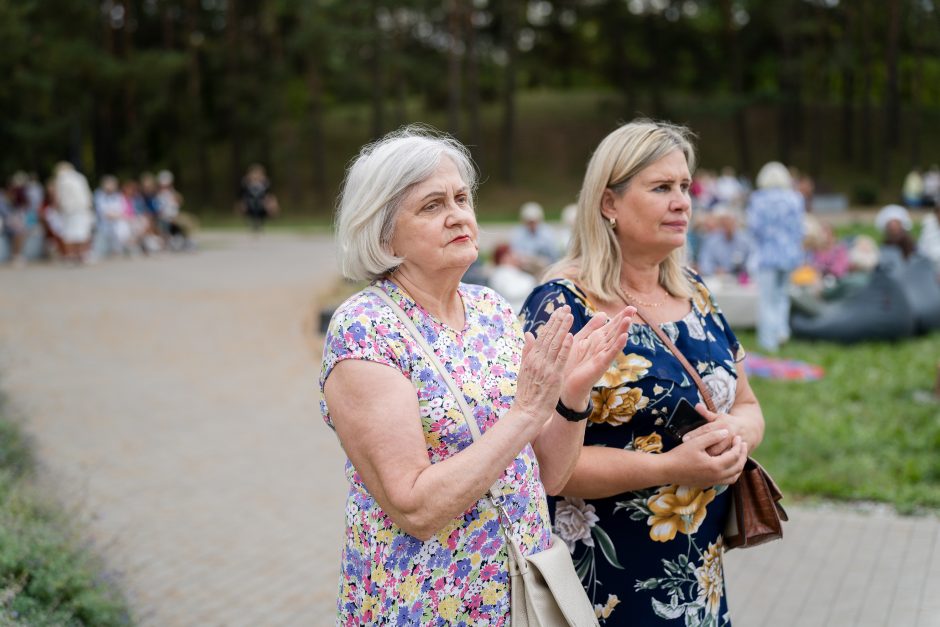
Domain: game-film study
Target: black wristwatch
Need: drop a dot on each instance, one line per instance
(574, 416)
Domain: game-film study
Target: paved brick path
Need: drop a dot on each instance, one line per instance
(173, 402)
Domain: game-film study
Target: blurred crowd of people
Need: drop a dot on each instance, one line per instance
(65, 220)
(763, 234)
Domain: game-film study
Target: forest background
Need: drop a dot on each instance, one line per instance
(846, 91)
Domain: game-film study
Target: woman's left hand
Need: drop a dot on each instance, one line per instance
(595, 346)
(735, 425)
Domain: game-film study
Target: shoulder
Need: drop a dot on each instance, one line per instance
(485, 300)
(551, 295)
(702, 297)
(364, 312)
(563, 290)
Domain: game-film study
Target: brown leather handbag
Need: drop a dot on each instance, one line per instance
(756, 515)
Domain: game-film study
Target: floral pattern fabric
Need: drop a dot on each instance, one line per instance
(459, 576)
(653, 556)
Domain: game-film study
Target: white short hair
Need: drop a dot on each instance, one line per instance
(377, 180)
(893, 212)
(774, 174)
(531, 212)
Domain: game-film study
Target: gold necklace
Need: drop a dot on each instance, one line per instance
(637, 301)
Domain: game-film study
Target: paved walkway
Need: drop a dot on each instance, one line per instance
(173, 401)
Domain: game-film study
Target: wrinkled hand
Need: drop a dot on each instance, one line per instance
(730, 423)
(595, 346)
(543, 365)
(693, 465)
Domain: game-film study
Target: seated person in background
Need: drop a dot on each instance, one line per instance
(703, 223)
(725, 249)
(827, 255)
(112, 216)
(533, 242)
(895, 225)
(568, 215)
(863, 255)
(728, 189)
(508, 279)
(931, 195)
(929, 243)
(912, 192)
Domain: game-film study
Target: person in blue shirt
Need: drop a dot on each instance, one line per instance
(533, 242)
(725, 249)
(775, 224)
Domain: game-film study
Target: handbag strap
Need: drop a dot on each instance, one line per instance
(703, 390)
(516, 561)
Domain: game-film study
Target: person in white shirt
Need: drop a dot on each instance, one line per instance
(508, 279)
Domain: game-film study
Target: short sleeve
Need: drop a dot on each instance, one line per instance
(705, 297)
(364, 329)
(548, 297)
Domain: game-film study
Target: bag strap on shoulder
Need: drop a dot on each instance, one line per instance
(517, 562)
(669, 344)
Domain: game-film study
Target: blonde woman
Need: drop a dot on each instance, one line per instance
(643, 512)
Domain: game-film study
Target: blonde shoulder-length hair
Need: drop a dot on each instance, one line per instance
(594, 256)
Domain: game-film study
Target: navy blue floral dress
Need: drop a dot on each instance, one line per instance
(653, 556)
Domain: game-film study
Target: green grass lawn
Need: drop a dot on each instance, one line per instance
(869, 430)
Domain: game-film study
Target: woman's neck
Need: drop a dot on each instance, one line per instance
(640, 278)
(438, 294)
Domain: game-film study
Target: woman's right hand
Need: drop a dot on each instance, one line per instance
(541, 372)
(692, 465)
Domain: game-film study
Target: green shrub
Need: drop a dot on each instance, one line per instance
(15, 453)
(44, 579)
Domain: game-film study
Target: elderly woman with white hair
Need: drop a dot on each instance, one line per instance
(423, 540)
(775, 222)
(645, 507)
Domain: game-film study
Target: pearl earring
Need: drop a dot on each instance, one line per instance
(613, 222)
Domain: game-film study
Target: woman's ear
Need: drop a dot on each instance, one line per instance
(608, 206)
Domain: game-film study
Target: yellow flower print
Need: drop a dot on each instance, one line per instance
(448, 608)
(507, 387)
(625, 369)
(370, 604)
(709, 575)
(409, 588)
(652, 443)
(702, 299)
(677, 508)
(473, 390)
(492, 593)
(616, 406)
(604, 611)
(379, 575)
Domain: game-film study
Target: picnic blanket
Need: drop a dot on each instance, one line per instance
(781, 369)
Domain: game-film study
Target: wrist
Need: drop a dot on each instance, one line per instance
(575, 402)
(574, 415)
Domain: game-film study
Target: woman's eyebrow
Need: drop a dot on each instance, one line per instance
(438, 192)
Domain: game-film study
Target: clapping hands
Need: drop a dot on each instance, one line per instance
(594, 347)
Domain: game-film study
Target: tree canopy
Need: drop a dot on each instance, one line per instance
(205, 87)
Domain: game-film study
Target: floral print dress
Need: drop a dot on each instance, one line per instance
(653, 556)
(459, 576)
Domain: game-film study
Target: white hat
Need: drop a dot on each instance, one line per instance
(531, 212)
(893, 212)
